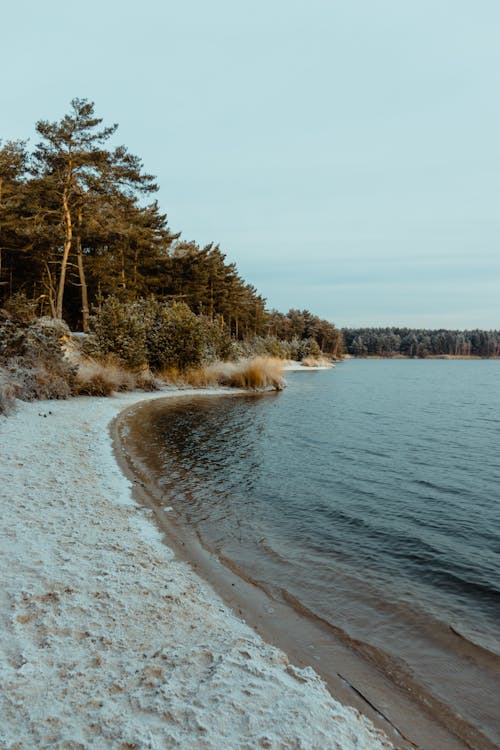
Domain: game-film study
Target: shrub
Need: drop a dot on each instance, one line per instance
(163, 336)
(119, 328)
(7, 393)
(174, 337)
(217, 342)
(308, 348)
(20, 309)
(264, 346)
(33, 357)
(270, 346)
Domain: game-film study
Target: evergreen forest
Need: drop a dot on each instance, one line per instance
(81, 233)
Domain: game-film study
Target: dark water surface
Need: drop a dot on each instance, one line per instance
(370, 496)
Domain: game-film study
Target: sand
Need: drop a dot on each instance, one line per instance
(107, 641)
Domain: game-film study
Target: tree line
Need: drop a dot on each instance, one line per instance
(410, 342)
(78, 225)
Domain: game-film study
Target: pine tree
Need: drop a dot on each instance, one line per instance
(13, 168)
(72, 168)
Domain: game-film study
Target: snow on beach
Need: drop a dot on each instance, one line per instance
(106, 640)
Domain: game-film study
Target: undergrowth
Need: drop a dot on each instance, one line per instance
(32, 361)
(39, 359)
(101, 378)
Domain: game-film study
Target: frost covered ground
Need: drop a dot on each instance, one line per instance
(106, 640)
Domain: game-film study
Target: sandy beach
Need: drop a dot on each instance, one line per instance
(107, 640)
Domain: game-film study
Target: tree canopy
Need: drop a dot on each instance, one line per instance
(78, 225)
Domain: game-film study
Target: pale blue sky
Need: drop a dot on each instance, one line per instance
(345, 154)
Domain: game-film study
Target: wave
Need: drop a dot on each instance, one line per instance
(487, 650)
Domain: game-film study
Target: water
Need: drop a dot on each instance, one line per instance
(368, 495)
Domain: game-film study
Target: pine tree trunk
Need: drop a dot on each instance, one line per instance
(50, 288)
(81, 273)
(123, 283)
(136, 271)
(64, 260)
(1, 187)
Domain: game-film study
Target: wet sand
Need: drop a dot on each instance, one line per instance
(398, 709)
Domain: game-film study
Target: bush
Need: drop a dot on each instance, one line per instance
(151, 333)
(20, 309)
(270, 346)
(264, 346)
(33, 358)
(308, 348)
(7, 393)
(174, 337)
(119, 328)
(217, 342)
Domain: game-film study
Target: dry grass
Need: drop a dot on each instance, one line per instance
(316, 362)
(174, 376)
(253, 373)
(101, 376)
(95, 378)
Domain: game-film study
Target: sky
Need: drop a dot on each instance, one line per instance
(346, 155)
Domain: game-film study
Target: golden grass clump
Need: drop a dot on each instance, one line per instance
(206, 376)
(173, 376)
(253, 373)
(259, 372)
(95, 378)
(316, 362)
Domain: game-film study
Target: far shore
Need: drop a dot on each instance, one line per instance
(430, 356)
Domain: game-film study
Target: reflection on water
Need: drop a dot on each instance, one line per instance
(368, 494)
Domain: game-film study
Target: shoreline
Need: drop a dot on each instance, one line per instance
(265, 615)
(307, 639)
(110, 641)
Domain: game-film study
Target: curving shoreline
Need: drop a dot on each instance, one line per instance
(109, 641)
(353, 674)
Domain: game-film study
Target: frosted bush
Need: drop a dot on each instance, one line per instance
(119, 328)
(265, 346)
(308, 348)
(20, 309)
(33, 358)
(153, 333)
(7, 393)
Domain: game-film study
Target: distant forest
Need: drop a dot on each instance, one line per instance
(409, 342)
(78, 227)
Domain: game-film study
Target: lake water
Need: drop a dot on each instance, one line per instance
(368, 496)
